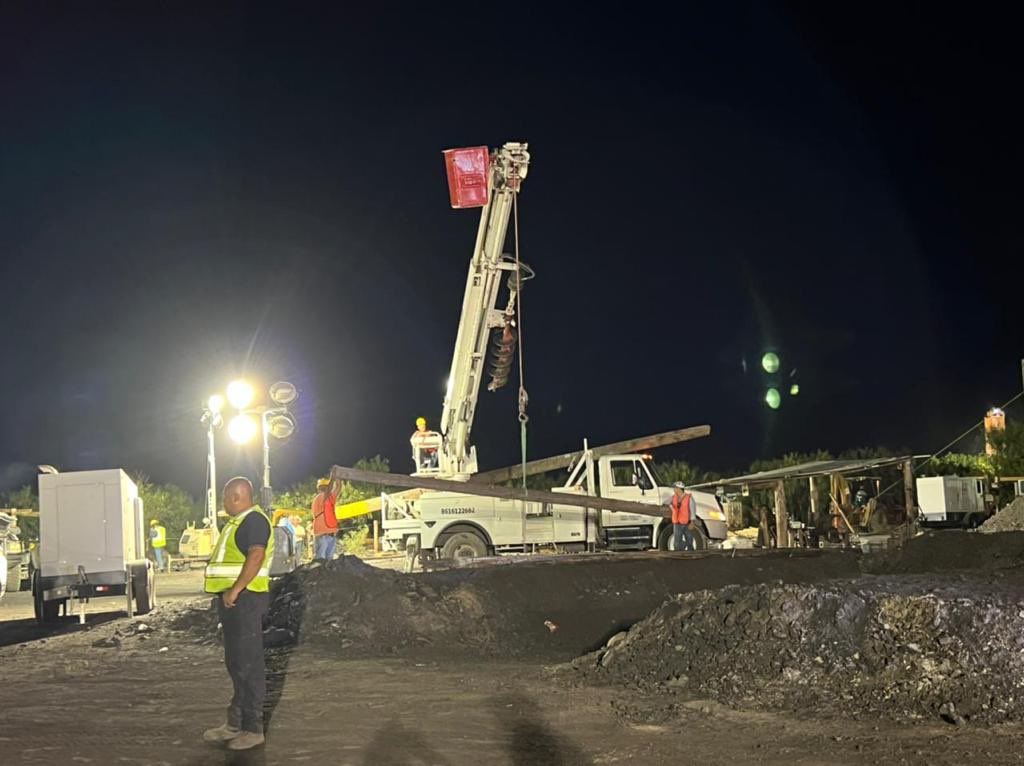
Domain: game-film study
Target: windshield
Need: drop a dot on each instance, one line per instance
(654, 474)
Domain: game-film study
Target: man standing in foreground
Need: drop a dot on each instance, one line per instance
(682, 512)
(325, 523)
(239, 572)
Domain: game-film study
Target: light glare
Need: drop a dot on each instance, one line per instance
(242, 429)
(240, 394)
(215, 403)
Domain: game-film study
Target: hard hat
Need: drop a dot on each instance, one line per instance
(153, 523)
(421, 421)
(323, 483)
(679, 485)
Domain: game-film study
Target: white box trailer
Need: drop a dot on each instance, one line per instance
(91, 542)
(953, 500)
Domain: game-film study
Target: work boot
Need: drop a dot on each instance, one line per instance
(246, 740)
(223, 733)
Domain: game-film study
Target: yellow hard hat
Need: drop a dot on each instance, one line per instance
(153, 523)
(323, 483)
(421, 421)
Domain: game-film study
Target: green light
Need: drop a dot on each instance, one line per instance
(794, 390)
(772, 398)
(770, 362)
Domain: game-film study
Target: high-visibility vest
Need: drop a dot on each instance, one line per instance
(160, 541)
(226, 559)
(681, 508)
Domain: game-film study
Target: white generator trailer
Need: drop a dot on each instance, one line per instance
(953, 501)
(92, 543)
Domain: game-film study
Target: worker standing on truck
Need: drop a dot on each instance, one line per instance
(682, 513)
(325, 523)
(239, 573)
(158, 541)
(424, 445)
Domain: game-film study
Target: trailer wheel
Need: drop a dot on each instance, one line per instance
(46, 611)
(464, 545)
(665, 538)
(700, 537)
(144, 588)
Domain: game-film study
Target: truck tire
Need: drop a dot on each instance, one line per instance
(144, 590)
(700, 538)
(464, 545)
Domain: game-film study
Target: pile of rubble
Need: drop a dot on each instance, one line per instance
(905, 647)
(1009, 519)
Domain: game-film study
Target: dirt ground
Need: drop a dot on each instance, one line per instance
(81, 696)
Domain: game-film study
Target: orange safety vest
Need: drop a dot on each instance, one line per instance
(681, 510)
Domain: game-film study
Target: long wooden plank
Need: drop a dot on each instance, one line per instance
(504, 493)
(624, 447)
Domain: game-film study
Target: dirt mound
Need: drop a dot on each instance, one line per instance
(545, 608)
(901, 647)
(948, 550)
(1009, 519)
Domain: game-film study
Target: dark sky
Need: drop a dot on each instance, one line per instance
(190, 195)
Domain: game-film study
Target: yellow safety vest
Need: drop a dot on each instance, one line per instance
(160, 541)
(226, 560)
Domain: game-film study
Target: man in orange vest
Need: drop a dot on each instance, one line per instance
(683, 507)
(325, 523)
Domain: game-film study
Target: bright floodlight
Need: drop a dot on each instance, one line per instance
(772, 398)
(242, 429)
(770, 362)
(794, 389)
(240, 394)
(215, 403)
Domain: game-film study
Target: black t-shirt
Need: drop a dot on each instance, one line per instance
(254, 530)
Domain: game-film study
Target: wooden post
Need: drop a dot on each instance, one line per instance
(908, 490)
(781, 518)
(814, 501)
(376, 536)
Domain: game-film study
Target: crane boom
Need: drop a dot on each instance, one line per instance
(457, 457)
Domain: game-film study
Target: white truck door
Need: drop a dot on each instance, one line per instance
(627, 479)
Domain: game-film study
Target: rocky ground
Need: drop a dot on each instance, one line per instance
(1009, 519)
(779, 657)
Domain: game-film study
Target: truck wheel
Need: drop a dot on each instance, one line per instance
(464, 545)
(144, 589)
(665, 538)
(700, 538)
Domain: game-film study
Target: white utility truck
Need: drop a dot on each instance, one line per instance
(453, 524)
(954, 500)
(92, 543)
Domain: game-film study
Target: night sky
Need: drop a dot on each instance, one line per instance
(191, 195)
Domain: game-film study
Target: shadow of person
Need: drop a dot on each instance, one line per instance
(530, 741)
(281, 633)
(396, 745)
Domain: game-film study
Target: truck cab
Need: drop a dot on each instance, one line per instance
(635, 478)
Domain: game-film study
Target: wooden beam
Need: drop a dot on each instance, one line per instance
(504, 493)
(640, 444)
(781, 517)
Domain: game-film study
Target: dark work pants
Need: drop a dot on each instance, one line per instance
(243, 655)
(682, 537)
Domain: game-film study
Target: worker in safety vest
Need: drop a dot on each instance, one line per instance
(158, 542)
(683, 508)
(424, 445)
(239, 574)
(325, 523)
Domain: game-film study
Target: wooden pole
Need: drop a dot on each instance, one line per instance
(376, 536)
(814, 501)
(506, 493)
(781, 518)
(908, 490)
(561, 461)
